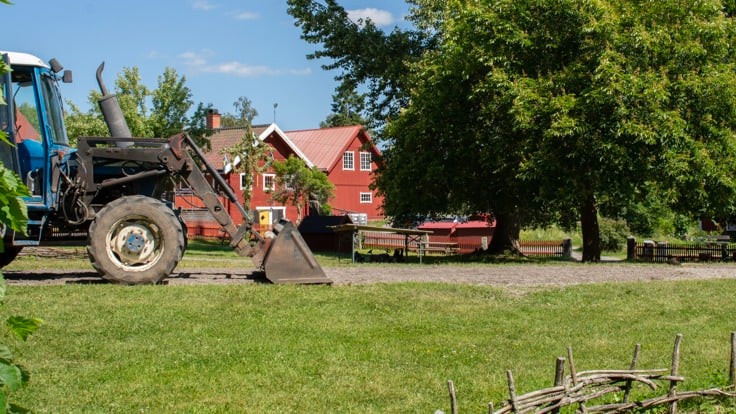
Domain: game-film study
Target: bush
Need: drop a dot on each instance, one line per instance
(613, 234)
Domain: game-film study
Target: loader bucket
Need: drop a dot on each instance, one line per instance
(288, 259)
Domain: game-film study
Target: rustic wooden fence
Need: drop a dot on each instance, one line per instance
(681, 252)
(591, 391)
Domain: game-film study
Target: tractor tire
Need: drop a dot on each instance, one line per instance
(9, 255)
(135, 240)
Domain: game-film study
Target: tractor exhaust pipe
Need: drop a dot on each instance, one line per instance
(112, 113)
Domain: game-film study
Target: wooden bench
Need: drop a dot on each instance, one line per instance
(439, 247)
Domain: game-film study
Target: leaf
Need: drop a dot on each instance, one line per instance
(6, 354)
(3, 401)
(21, 326)
(11, 377)
(17, 409)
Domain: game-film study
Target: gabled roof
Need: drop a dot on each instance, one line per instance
(325, 146)
(224, 138)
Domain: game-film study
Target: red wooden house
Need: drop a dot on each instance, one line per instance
(352, 183)
(348, 157)
(264, 210)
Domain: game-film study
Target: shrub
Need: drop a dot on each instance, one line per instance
(613, 234)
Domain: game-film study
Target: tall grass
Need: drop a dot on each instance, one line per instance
(384, 348)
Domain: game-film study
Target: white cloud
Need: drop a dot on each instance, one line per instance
(246, 16)
(377, 16)
(203, 5)
(198, 61)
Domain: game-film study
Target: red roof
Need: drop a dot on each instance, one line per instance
(224, 138)
(476, 224)
(452, 225)
(434, 225)
(325, 146)
(24, 128)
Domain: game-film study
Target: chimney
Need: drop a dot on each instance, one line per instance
(213, 119)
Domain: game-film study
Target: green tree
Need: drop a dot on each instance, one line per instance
(423, 161)
(347, 109)
(133, 99)
(244, 110)
(298, 184)
(79, 124)
(606, 102)
(549, 110)
(243, 116)
(363, 53)
(170, 102)
(198, 129)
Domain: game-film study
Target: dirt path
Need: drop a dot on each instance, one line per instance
(496, 275)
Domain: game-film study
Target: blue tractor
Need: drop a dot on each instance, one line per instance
(115, 194)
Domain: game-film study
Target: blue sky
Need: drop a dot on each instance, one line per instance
(225, 48)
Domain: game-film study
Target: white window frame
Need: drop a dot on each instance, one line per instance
(272, 187)
(348, 157)
(365, 161)
(366, 198)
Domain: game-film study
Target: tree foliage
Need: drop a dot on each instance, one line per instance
(363, 53)
(348, 107)
(243, 115)
(298, 184)
(170, 103)
(167, 115)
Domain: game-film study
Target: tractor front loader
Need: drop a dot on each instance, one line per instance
(115, 194)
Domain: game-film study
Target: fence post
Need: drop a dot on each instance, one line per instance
(674, 372)
(732, 365)
(567, 249)
(559, 378)
(631, 248)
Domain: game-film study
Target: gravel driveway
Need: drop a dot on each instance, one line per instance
(526, 275)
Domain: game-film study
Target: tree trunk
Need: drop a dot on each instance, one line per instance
(591, 233)
(506, 234)
(298, 212)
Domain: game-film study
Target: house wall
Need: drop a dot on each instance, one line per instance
(349, 184)
(203, 225)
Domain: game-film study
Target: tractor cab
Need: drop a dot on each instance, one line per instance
(37, 147)
(33, 120)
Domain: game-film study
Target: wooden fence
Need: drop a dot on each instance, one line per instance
(591, 391)
(681, 252)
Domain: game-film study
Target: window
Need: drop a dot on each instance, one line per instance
(269, 182)
(53, 106)
(348, 161)
(289, 182)
(365, 161)
(366, 198)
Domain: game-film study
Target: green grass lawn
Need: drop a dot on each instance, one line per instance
(384, 348)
